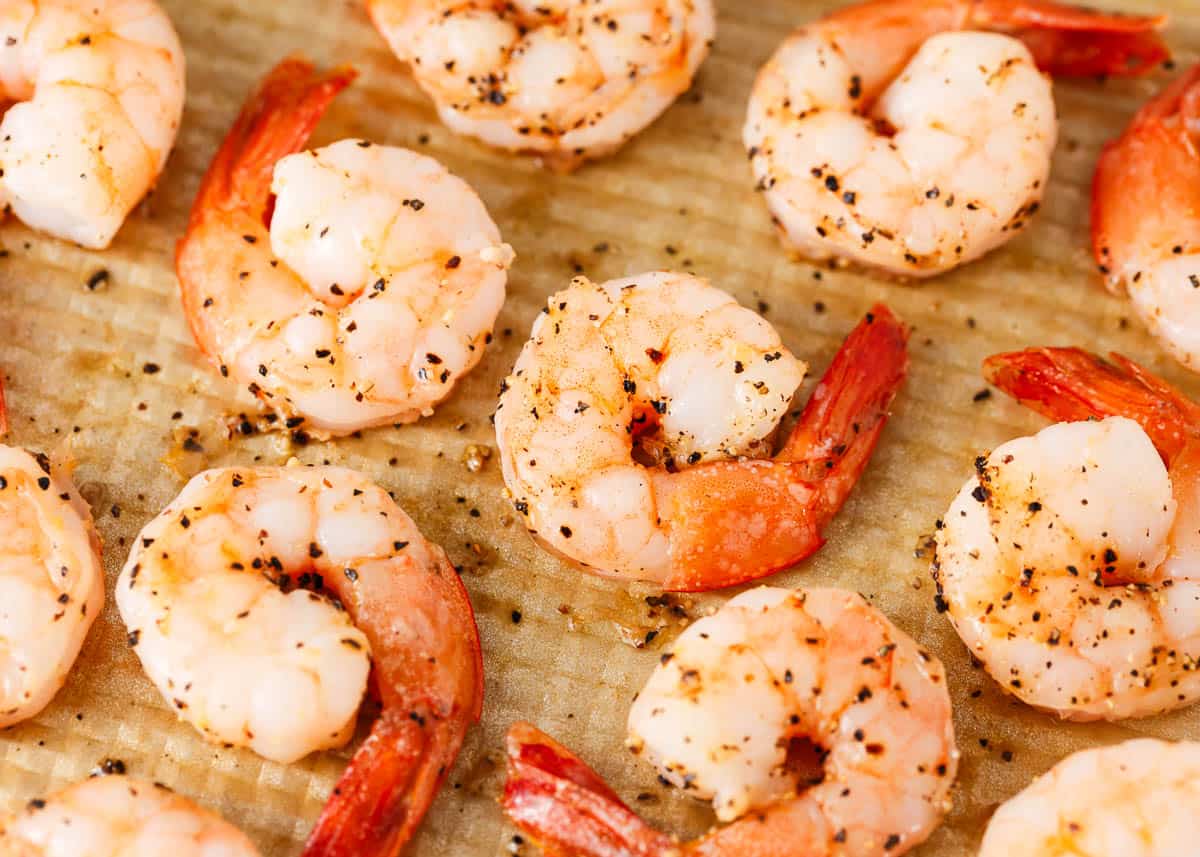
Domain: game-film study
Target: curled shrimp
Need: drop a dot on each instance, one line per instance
(98, 88)
(1140, 798)
(723, 716)
(258, 600)
(51, 578)
(635, 427)
(566, 80)
(897, 135)
(117, 816)
(1067, 562)
(375, 286)
(1152, 250)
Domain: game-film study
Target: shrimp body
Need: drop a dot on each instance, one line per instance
(375, 287)
(1066, 563)
(635, 431)
(1152, 251)
(51, 580)
(720, 712)
(566, 80)
(1136, 799)
(258, 601)
(99, 87)
(117, 816)
(897, 135)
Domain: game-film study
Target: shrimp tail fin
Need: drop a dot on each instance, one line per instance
(1071, 41)
(275, 121)
(1073, 384)
(734, 521)
(561, 803)
(385, 790)
(848, 410)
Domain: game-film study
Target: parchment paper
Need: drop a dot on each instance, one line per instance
(681, 196)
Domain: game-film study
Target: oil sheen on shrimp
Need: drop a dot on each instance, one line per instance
(375, 286)
(635, 431)
(51, 579)
(563, 79)
(1136, 799)
(1152, 250)
(95, 89)
(1067, 563)
(259, 600)
(723, 716)
(117, 816)
(899, 135)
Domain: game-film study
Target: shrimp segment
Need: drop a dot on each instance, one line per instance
(634, 429)
(722, 713)
(208, 598)
(347, 287)
(1067, 562)
(568, 81)
(99, 87)
(1152, 251)
(1140, 798)
(118, 816)
(894, 135)
(51, 578)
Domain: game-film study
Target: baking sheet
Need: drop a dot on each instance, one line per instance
(681, 196)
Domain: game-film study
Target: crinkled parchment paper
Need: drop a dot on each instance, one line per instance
(564, 650)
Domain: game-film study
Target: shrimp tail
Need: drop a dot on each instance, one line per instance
(1072, 384)
(387, 787)
(734, 521)
(275, 121)
(1072, 41)
(561, 803)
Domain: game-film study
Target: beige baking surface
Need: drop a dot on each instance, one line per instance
(679, 196)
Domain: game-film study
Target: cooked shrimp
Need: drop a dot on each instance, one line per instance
(373, 290)
(635, 427)
(117, 816)
(1152, 250)
(724, 715)
(51, 579)
(207, 596)
(1136, 799)
(1067, 563)
(566, 80)
(894, 135)
(99, 91)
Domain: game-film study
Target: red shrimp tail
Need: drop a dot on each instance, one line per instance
(735, 521)
(563, 805)
(1072, 384)
(275, 121)
(385, 791)
(847, 411)
(1072, 41)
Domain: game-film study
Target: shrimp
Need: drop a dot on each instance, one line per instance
(1136, 799)
(565, 80)
(898, 136)
(634, 428)
(95, 89)
(258, 600)
(1067, 562)
(1151, 251)
(728, 715)
(51, 578)
(373, 290)
(117, 816)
